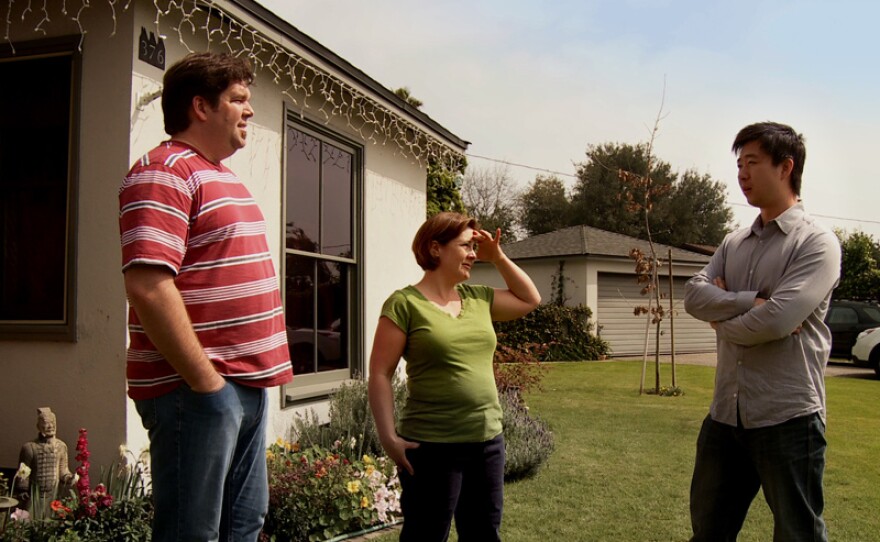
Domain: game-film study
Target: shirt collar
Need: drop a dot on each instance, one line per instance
(785, 222)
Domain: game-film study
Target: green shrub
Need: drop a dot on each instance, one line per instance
(565, 331)
(528, 441)
(126, 519)
(350, 417)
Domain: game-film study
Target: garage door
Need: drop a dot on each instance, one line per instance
(620, 294)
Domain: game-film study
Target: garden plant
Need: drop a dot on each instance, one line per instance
(326, 480)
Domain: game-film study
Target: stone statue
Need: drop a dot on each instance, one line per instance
(46, 456)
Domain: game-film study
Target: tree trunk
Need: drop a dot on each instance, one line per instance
(656, 279)
(671, 320)
(645, 351)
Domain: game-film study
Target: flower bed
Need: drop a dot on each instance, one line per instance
(84, 514)
(319, 493)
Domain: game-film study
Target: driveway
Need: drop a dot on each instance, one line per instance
(836, 367)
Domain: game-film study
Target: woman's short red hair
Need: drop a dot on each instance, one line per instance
(443, 228)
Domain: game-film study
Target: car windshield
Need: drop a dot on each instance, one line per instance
(873, 313)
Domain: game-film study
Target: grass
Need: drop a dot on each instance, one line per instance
(623, 462)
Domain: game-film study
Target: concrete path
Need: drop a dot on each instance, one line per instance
(836, 367)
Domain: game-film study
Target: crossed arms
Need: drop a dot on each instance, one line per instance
(746, 317)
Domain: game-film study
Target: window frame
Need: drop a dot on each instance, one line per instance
(312, 387)
(65, 329)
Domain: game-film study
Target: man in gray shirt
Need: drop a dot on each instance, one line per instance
(766, 292)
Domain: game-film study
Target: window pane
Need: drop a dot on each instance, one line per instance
(873, 313)
(299, 312)
(303, 182)
(336, 202)
(847, 315)
(34, 188)
(333, 306)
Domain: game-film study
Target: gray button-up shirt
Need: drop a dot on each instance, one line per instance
(772, 374)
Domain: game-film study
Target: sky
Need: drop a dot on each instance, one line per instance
(536, 82)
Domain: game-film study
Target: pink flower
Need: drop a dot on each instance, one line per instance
(20, 515)
(87, 506)
(101, 497)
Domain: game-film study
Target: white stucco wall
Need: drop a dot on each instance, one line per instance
(82, 382)
(394, 210)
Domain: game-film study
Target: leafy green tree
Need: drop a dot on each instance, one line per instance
(544, 205)
(443, 179)
(697, 211)
(860, 267)
(404, 94)
(606, 195)
(444, 184)
(490, 196)
(612, 193)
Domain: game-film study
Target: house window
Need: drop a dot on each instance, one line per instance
(321, 263)
(38, 192)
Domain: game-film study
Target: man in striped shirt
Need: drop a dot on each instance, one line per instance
(206, 323)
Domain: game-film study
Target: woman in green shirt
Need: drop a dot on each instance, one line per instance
(448, 444)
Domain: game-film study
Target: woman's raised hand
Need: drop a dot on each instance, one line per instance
(489, 246)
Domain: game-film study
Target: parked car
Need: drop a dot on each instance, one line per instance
(847, 319)
(867, 349)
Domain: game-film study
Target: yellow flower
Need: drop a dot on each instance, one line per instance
(353, 486)
(365, 502)
(280, 442)
(367, 459)
(369, 470)
(270, 455)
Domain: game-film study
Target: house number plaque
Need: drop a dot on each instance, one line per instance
(151, 49)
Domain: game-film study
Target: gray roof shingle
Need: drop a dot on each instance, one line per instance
(586, 240)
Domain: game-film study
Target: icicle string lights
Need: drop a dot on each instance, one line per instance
(300, 80)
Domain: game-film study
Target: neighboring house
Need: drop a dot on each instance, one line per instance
(708, 250)
(592, 267)
(336, 161)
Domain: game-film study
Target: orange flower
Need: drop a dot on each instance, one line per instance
(59, 508)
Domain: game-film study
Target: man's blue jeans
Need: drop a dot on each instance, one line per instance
(208, 463)
(786, 460)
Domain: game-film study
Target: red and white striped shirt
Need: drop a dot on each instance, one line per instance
(181, 211)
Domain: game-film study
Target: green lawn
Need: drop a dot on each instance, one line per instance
(622, 465)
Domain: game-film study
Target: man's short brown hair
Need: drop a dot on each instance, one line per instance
(199, 74)
(443, 228)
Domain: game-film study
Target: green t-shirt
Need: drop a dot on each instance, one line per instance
(450, 383)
